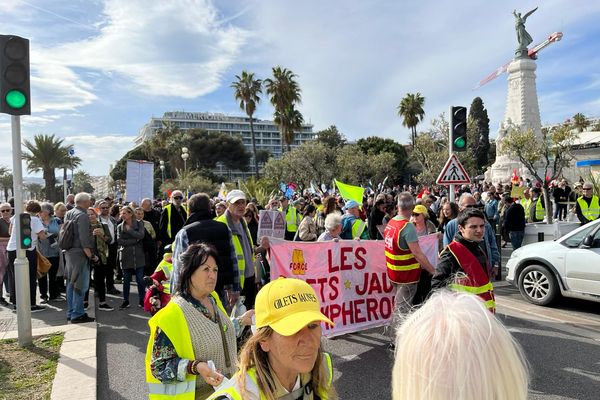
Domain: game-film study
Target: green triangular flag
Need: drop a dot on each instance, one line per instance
(349, 192)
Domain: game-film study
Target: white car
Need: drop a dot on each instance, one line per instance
(569, 266)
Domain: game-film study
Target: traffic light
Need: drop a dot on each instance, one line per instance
(25, 230)
(458, 128)
(14, 78)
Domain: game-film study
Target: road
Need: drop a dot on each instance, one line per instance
(562, 345)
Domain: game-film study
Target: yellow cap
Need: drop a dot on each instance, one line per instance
(287, 305)
(420, 209)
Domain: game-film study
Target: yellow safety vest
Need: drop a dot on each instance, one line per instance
(167, 268)
(540, 212)
(358, 227)
(233, 392)
(526, 203)
(168, 208)
(291, 219)
(239, 251)
(593, 211)
(172, 322)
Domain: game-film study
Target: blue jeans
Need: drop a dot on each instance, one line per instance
(75, 297)
(516, 238)
(139, 278)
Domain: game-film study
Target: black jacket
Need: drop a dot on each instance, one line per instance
(514, 218)
(448, 266)
(201, 228)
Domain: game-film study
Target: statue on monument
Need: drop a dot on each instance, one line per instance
(523, 37)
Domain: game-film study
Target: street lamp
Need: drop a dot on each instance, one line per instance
(162, 169)
(185, 155)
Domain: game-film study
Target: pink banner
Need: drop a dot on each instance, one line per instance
(349, 277)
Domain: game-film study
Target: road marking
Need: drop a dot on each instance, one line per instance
(587, 374)
(349, 357)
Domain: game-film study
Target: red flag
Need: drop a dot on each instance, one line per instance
(515, 177)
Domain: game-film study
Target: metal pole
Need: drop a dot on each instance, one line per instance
(64, 184)
(451, 195)
(21, 263)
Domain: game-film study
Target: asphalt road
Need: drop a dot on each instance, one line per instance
(562, 344)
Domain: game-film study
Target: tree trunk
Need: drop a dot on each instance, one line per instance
(253, 147)
(50, 183)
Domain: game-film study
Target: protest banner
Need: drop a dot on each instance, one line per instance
(349, 277)
(271, 224)
(517, 192)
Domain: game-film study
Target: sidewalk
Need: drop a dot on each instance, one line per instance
(76, 371)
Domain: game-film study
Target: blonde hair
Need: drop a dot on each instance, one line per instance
(252, 355)
(454, 348)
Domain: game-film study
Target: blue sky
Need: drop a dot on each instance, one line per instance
(102, 68)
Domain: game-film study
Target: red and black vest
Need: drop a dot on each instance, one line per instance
(402, 267)
(476, 280)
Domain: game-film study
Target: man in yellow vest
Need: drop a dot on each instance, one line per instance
(525, 201)
(352, 226)
(537, 208)
(172, 219)
(292, 218)
(588, 206)
(244, 248)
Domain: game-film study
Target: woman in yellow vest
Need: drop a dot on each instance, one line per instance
(284, 358)
(190, 331)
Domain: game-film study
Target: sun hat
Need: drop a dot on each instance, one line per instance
(287, 305)
(234, 196)
(420, 209)
(351, 204)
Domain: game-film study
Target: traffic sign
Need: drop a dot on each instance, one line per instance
(453, 173)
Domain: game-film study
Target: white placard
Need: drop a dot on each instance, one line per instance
(139, 181)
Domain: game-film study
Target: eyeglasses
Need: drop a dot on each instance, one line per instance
(178, 197)
(416, 214)
(4, 210)
(588, 188)
(470, 206)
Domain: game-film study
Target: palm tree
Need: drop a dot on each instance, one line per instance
(46, 153)
(247, 91)
(6, 180)
(411, 111)
(285, 93)
(580, 122)
(288, 121)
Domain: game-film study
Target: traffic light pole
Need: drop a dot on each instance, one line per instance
(451, 195)
(21, 263)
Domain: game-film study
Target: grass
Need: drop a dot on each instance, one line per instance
(26, 373)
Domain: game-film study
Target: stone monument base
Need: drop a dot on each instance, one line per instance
(502, 170)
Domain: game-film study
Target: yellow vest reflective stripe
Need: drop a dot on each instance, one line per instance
(291, 219)
(358, 227)
(526, 203)
(172, 322)
(233, 392)
(167, 269)
(239, 251)
(593, 211)
(168, 208)
(540, 212)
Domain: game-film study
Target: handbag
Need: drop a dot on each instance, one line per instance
(43, 265)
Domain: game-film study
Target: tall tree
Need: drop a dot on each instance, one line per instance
(580, 122)
(285, 94)
(46, 153)
(411, 111)
(6, 180)
(288, 121)
(479, 133)
(82, 182)
(247, 91)
(331, 137)
(376, 145)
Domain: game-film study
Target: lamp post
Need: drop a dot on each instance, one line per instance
(185, 155)
(162, 170)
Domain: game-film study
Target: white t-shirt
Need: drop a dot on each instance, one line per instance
(36, 227)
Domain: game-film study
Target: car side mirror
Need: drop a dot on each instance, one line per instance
(587, 241)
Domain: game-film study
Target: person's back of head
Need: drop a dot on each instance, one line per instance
(454, 348)
(199, 203)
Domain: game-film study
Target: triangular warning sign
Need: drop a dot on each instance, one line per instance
(453, 173)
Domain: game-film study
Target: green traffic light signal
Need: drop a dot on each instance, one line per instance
(460, 143)
(27, 242)
(15, 99)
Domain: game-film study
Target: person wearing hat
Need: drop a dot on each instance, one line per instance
(233, 217)
(220, 208)
(352, 226)
(284, 359)
(172, 219)
(292, 217)
(420, 219)
(587, 206)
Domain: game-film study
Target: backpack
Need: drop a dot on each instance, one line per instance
(66, 235)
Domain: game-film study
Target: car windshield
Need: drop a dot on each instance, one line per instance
(575, 240)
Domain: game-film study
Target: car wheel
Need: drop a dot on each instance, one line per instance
(538, 285)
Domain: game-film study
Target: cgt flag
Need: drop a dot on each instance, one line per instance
(349, 192)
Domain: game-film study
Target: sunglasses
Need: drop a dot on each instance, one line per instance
(4, 210)
(588, 188)
(178, 197)
(416, 214)
(471, 206)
